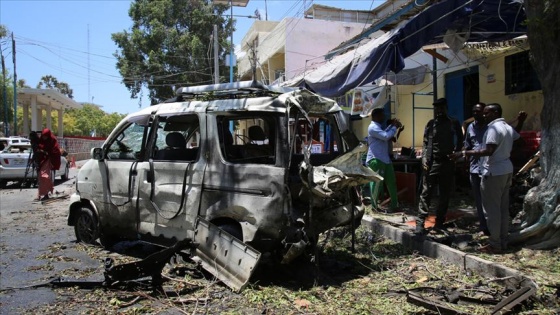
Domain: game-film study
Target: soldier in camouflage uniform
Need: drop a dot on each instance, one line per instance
(442, 136)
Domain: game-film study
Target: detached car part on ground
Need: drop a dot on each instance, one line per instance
(16, 164)
(238, 168)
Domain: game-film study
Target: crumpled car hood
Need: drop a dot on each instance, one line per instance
(341, 173)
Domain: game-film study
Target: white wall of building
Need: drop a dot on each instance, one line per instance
(307, 41)
(300, 42)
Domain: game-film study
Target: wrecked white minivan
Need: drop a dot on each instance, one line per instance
(239, 168)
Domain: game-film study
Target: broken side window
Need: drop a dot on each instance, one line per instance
(178, 138)
(250, 138)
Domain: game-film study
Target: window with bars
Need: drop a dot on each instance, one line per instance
(520, 74)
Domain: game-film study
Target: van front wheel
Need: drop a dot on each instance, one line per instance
(86, 227)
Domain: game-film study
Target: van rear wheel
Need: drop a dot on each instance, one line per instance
(86, 227)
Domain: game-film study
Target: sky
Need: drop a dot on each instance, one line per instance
(71, 40)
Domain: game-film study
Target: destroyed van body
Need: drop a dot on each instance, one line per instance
(241, 157)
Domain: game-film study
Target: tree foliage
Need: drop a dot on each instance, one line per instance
(6, 112)
(50, 82)
(88, 120)
(541, 211)
(169, 45)
(6, 105)
(79, 122)
(21, 83)
(3, 31)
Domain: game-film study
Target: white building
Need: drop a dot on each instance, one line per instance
(285, 49)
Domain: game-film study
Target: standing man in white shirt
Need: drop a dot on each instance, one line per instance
(473, 141)
(378, 158)
(496, 171)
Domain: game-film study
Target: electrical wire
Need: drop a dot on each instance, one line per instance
(69, 56)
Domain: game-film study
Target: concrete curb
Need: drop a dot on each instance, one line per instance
(448, 254)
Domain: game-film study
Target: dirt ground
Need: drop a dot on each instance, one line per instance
(378, 277)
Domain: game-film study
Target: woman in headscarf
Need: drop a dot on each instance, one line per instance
(47, 157)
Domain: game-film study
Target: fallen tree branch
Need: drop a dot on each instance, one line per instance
(166, 277)
(430, 304)
(132, 302)
(190, 300)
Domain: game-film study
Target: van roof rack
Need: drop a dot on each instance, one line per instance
(230, 89)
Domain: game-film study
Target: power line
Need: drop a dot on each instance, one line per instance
(76, 59)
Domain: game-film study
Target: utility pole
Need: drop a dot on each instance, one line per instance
(231, 50)
(5, 96)
(15, 83)
(231, 3)
(434, 78)
(254, 61)
(88, 67)
(216, 59)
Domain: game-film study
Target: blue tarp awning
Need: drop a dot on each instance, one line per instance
(475, 20)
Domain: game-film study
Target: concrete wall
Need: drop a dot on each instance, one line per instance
(79, 148)
(404, 101)
(307, 41)
(300, 42)
(494, 92)
(256, 33)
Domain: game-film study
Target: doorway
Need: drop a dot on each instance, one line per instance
(462, 92)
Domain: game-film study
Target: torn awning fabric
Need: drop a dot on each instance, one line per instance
(476, 20)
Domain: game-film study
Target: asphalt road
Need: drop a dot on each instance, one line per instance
(32, 235)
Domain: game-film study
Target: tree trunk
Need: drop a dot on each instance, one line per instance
(540, 228)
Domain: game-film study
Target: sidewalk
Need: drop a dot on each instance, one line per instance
(458, 247)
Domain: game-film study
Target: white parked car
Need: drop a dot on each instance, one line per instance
(15, 165)
(7, 141)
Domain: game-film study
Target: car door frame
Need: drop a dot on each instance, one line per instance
(169, 192)
(119, 177)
